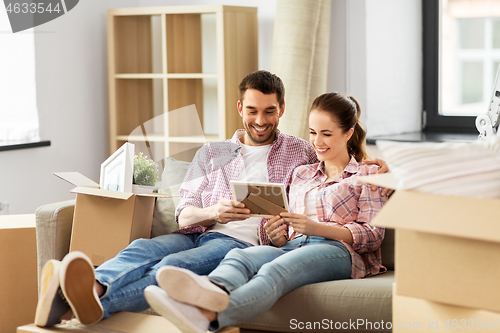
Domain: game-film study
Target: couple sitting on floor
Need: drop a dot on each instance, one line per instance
(210, 273)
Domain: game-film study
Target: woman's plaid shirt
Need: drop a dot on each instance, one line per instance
(345, 202)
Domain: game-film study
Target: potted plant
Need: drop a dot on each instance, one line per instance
(145, 174)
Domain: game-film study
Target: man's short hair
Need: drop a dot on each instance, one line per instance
(265, 82)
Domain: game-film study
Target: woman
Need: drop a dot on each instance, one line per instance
(328, 233)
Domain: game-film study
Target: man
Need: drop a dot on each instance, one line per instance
(211, 223)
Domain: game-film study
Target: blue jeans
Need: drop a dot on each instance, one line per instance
(258, 276)
(134, 268)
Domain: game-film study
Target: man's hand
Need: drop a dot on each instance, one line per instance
(383, 169)
(229, 210)
(301, 223)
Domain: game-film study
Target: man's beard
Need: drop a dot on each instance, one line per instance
(257, 141)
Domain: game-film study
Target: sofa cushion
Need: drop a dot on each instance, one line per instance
(342, 301)
(171, 180)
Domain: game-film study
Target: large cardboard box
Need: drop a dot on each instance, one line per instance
(447, 247)
(412, 314)
(18, 277)
(105, 222)
(121, 322)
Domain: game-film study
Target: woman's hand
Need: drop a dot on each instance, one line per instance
(276, 230)
(301, 223)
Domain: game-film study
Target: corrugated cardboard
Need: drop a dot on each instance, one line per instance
(18, 278)
(105, 222)
(419, 315)
(447, 247)
(121, 322)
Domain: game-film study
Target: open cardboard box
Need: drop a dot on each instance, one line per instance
(105, 222)
(446, 246)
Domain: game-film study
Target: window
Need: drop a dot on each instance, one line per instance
(18, 109)
(461, 57)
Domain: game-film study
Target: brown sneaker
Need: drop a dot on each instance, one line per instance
(51, 303)
(77, 279)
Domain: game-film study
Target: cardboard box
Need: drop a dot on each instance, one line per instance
(105, 222)
(18, 277)
(121, 322)
(419, 315)
(446, 247)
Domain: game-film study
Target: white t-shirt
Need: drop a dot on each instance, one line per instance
(255, 170)
(310, 207)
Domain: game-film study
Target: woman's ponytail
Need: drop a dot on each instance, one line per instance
(357, 143)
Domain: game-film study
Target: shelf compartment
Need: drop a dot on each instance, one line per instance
(183, 43)
(137, 44)
(153, 150)
(182, 93)
(183, 151)
(138, 101)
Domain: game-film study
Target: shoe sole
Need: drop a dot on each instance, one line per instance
(182, 286)
(167, 310)
(50, 307)
(77, 283)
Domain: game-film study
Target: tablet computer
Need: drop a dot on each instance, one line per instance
(263, 199)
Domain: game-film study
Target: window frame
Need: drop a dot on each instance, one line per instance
(433, 121)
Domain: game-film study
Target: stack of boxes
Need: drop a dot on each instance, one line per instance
(447, 271)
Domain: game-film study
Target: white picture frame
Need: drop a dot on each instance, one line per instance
(263, 199)
(118, 169)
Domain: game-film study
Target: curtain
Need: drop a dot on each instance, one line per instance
(301, 41)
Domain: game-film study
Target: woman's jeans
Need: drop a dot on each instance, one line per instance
(258, 276)
(133, 269)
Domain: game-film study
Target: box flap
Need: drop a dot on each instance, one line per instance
(386, 180)
(442, 214)
(76, 179)
(102, 193)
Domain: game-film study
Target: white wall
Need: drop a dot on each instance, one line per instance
(375, 56)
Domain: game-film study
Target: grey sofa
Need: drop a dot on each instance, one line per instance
(363, 305)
